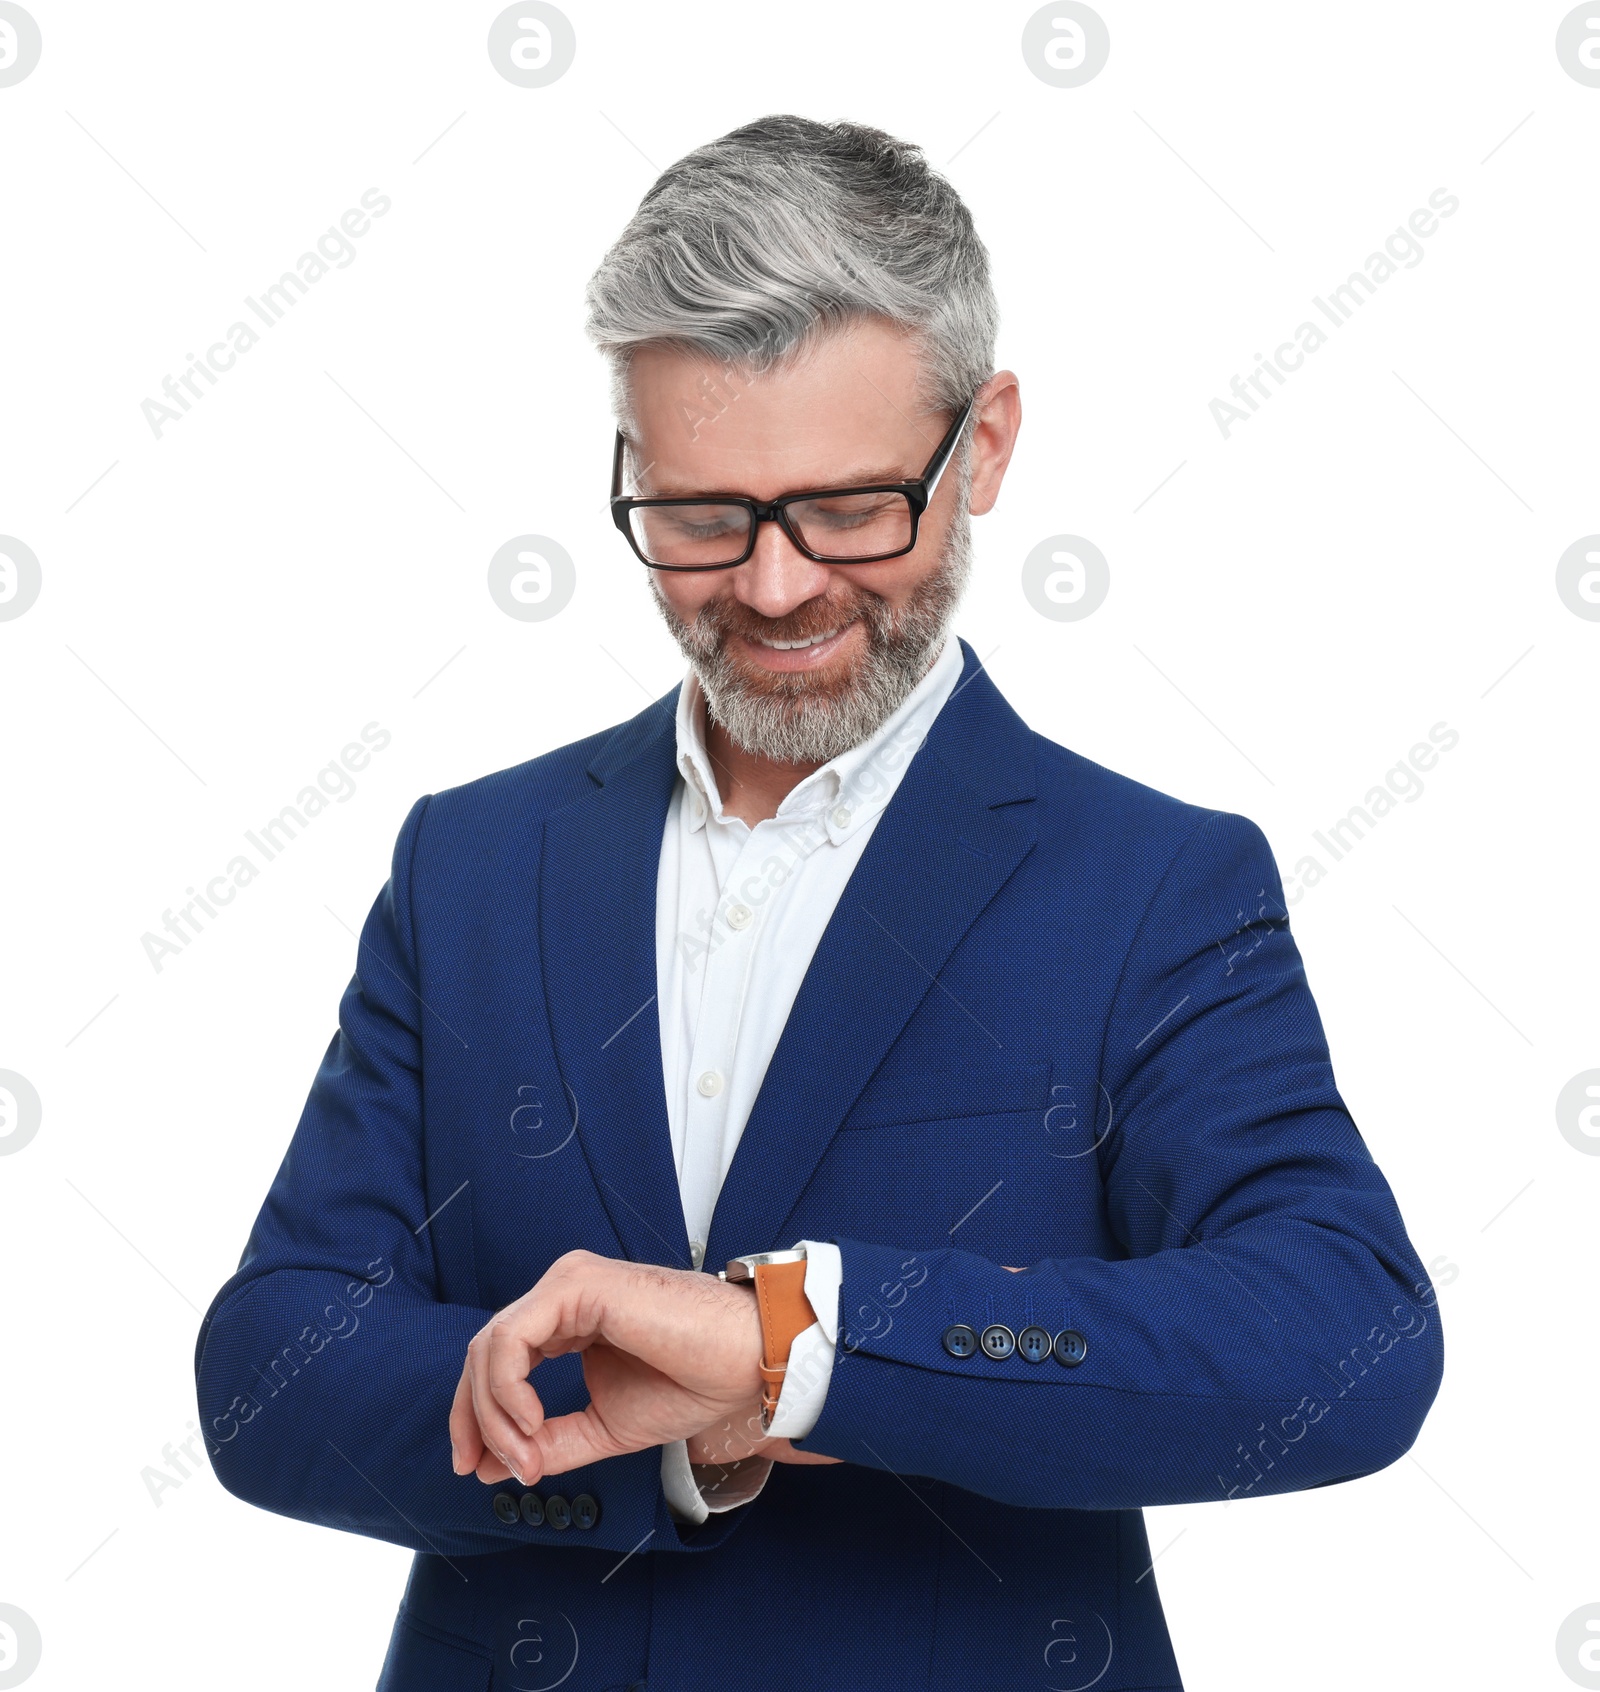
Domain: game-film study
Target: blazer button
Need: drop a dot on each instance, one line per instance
(998, 1340)
(585, 1510)
(533, 1509)
(505, 1507)
(1071, 1347)
(960, 1340)
(1034, 1344)
(557, 1511)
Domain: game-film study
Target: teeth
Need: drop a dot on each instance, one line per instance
(795, 645)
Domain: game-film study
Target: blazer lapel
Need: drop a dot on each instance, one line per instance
(948, 840)
(597, 943)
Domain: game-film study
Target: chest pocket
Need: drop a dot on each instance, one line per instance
(936, 1154)
(940, 1092)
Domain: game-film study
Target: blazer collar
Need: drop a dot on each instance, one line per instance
(859, 778)
(984, 741)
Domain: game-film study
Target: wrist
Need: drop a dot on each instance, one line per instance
(733, 1439)
(777, 1282)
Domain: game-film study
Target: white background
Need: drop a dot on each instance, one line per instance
(306, 552)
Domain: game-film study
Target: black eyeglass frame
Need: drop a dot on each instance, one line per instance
(919, 492)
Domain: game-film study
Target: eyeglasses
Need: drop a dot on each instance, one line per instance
(716, 531)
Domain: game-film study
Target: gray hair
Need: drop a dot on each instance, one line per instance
(753, 248)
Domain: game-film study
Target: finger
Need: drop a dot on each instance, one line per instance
(510, 1361)
(466, 1444)
(469, 1451)
(781, 1451)
(499, 1434)
(491, 1471)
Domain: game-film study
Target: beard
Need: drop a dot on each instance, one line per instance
(811, 717)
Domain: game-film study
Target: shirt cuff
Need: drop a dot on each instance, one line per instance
(718, 1487)
(677, 1482)
(810, 1366)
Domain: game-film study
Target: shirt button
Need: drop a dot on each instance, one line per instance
(739, 916)
(697, 1252)
(841, 816)
(709, 1084)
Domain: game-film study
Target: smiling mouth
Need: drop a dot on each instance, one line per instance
(798, 645)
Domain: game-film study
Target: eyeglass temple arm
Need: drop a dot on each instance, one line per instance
(947, 449)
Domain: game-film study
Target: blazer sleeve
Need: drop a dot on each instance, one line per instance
(326, 1366)
(1270, 1327)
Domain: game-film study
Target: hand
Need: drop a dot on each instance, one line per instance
(667, 1353)
(737, 1437)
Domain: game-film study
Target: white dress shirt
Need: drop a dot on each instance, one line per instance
(739, 914)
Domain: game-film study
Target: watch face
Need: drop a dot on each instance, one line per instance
(744, 1268)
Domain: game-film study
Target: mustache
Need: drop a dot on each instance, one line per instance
(719, 618)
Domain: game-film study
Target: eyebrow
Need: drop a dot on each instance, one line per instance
(851, 478)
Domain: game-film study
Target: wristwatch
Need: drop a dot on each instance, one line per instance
(778, 1279)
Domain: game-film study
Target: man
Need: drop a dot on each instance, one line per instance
(1010, 1060)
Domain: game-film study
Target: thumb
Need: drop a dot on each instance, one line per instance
(631, 1406)
(573, 1441)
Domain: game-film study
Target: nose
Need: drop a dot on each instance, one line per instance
(777, 577)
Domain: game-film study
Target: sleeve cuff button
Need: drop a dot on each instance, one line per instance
(1034, 1344)
(960, 1340)
(998, 1340)
(1071, 1347)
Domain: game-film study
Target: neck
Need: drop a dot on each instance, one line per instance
(752, 787)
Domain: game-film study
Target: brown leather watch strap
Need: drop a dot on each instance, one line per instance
(785, 1311)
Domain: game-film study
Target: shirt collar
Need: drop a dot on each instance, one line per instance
(848, 790)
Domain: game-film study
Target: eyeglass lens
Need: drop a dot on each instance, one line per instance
(839, 526)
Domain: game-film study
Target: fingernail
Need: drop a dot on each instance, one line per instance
(527, 1428)
(455, 1457)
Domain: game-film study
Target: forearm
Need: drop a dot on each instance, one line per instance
(334, 1411)
(1286, 1360)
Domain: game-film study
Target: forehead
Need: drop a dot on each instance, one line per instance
(847, 410)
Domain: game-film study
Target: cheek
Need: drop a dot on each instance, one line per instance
(933, 537)
(904, 577)
(684, 594)
(896, 579)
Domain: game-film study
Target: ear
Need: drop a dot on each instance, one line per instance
(997, 415)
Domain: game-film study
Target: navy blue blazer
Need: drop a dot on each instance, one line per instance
(1058, 1020)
